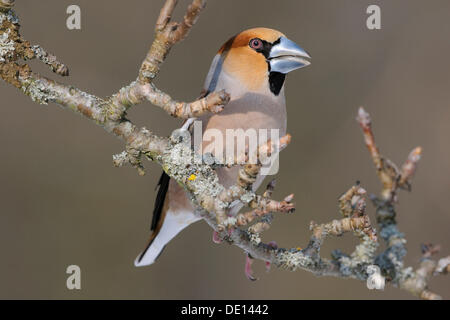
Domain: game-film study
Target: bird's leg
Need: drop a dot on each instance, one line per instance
(248, 268)
(216, 237)
(249, 262)
(274, 245)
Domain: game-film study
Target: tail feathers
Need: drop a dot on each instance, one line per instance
(150, 254)
(172, 225)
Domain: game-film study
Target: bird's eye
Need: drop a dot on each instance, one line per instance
(256, 44)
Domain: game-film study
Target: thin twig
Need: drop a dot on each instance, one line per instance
(212, 200)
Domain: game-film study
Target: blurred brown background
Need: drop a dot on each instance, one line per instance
(63, 203)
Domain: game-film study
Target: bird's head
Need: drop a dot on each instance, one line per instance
(260, 58)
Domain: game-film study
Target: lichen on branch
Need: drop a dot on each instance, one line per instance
(212, 200)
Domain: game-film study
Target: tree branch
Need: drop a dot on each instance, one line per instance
(212, 200)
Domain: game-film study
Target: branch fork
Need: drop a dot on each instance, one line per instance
(213, 201)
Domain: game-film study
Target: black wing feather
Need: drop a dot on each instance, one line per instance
(160, 197)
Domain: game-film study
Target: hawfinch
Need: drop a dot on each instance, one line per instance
(251, 67)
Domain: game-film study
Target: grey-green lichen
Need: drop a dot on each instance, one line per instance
(365, 251)
(10, 16)
(255, 238)
(38, 92)
(50, 60)
(229, 221)
(247, 197)
(294, 260)
(181, 162)
(6, 43)
(120, 159)
(356, 264)
(6, 46)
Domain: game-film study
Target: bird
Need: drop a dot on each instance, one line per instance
(251, 67)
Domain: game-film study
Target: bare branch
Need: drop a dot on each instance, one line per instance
(386, 170)
(137, 93)
(213, 102)
(167, 34)
(391, 260)
(212, 200)
(50, 60)
(349, 199)
(409, 168)
(165, 14)
(339, 227)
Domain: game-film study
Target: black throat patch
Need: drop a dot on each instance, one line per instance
(276, 80)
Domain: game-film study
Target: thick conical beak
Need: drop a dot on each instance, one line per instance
(286, 56)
